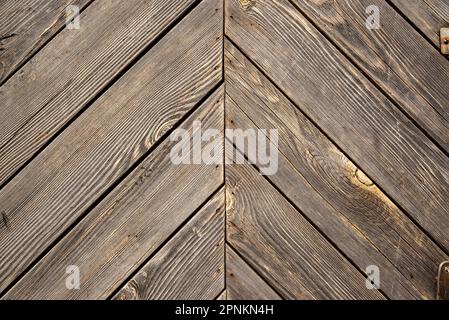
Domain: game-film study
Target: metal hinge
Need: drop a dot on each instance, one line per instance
(444, 36)
(443, 282)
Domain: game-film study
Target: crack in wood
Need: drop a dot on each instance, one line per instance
(11, 35)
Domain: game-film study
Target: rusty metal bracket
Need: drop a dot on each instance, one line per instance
(443, 282)
(444, 36)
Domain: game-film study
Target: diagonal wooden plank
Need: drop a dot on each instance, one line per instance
(344, 233)
(243, 283)
(330, 190)
(349, 109)
(222, 296)
(429, 16)
(190, 265)
(26, 26)
(130, 223)
(396, 57)
(278, 242)
(105, 142)
(75, 67)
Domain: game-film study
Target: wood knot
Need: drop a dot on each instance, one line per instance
(363, 178)
(247, 4)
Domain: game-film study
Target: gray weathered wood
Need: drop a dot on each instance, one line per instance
(130, 223)
(427, 15)
(243, 283)
(335, 194)
(189, 266)
(444, 34)
(349, 109)
(102, 144)
(222, 296)
(278, 242)
(66, 75)
(25, 26)
(396, 57)
(443, 281)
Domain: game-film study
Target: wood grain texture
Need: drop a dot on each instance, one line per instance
(396, 57)
(284, 248)
(130, 223)
(429, 16)
(222, 296)
(330, 190)
(190, 266)
(243, 283)
(68, 73)
(347, 107)
(344, 233)
(25, 26)
(102, 144)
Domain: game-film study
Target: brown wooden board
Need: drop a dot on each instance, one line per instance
(282, 246)
(101, 145)
(429, 16)
(87, 176)
(76, 66)
(243, 283)
(130, 224)
(381, 141)
(222, 296)
(190, 265)
(395, 57)
(335, 194)
(25, 27)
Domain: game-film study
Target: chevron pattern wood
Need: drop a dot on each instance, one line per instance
(223, 149)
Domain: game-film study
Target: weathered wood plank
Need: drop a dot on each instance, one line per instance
(349, 109)
(26, 26)
(243, 283)
(396, 57)
(428, 15)
(222, 296)
(355, 214)
(66, 75)
(189, 266)
(130, 224)
(278, 242)
(102, 144)
(345, 234)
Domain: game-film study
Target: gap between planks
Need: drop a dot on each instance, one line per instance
(437, 243)
(110, 189)
(96, 96)
(427, 132)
